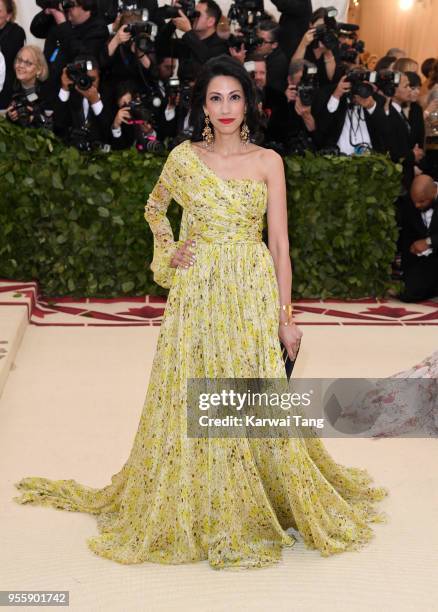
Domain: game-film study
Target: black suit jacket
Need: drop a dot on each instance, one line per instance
(12, 38)
(399, 141)
(70, 115)
(414, 228)
(294, 23)
(276, 70)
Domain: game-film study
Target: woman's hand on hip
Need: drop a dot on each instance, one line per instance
(184, 256)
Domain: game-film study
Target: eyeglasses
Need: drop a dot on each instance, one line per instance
(23, 62)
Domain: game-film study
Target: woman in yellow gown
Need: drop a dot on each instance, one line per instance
(230, 501)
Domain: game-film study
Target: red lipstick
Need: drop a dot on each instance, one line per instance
(226, 121)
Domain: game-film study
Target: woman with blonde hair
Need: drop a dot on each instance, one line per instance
(12, 38)
(405, 64)
(29, 98)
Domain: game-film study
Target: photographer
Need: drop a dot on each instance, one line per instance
(79, 31)
(12, 38)
(169, 92)
(320, 46)
(401, 140)
(130, 126)
(294, 20)
(276, 61)
(82, 115)
(292, 121)
(199, 42)
(237, 48)
(123, 57)
(30, 104)
(353, 118)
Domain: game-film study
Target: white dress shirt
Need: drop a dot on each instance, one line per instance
(355, 130)
(97, 107)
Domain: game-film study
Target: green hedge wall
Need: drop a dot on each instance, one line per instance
(75, 223)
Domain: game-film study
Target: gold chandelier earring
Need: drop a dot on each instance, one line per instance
(244, 131)
(207, 133)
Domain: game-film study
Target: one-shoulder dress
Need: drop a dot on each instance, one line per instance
(232, 501)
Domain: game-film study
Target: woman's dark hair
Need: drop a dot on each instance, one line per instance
(223, 65)
(385, 62)
(124, 87)
(413, 78)
(427, 65)
(433, 75)
(320, 13)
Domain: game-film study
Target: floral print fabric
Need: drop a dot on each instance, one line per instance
(229, 501)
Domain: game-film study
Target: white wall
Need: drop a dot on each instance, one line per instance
(27, 9)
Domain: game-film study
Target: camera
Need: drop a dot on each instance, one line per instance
(327, 33)
(110, 9)
(361, 82)
(308, 85)
(25, 106)
(245, 15)
(77, 72)
(144, 34)
(169, 12)
(388, 81)
(184, 89)
(148, 144)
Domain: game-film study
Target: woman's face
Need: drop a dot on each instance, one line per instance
(26, 69)
(4, 16)
(225, 104)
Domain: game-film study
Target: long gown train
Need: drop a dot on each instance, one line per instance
(230, 501)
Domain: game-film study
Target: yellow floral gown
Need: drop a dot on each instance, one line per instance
(229, 501)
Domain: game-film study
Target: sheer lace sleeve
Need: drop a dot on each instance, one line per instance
(155, 214)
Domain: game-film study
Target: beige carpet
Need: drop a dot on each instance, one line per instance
(70, 409)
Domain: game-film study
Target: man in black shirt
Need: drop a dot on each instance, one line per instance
(199, 42)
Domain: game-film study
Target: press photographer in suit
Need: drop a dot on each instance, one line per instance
(400, 138)
(353, 119)
(419, 240)
(82, 114)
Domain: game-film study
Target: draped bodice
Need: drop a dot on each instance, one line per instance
(216, 209)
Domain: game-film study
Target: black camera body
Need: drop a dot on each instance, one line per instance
(308, 85)
(78, 73)
(388, 81)
(25, 106)
(247, 14)
(361, 82)
(144, 34)
(142, 27)
(187, 6)
(328, 32)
